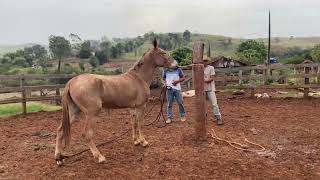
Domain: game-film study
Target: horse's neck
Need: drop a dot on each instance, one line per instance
(144, 69)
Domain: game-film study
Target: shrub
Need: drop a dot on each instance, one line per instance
(94, 62)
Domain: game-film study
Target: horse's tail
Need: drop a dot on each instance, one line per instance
(66, 118)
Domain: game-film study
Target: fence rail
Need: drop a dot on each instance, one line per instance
(263, 73)
(225, 75)
(24, 89)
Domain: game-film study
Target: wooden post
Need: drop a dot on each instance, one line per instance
(252, 92)
(189, 85)
(240, 77)
(251, 77)
(306, 82)
(24, 95)
(58, 101)
(318, 75)
(264, 76)
(198, 84)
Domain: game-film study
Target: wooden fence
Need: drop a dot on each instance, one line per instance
(240, 77)
(23, 88)
(246, 77)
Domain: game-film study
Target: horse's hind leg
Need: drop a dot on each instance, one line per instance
(59, 146)
(73, 112)
(88, 136)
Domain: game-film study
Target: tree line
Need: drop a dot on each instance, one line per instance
(100, 51)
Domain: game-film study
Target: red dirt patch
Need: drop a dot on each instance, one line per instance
(289, 129)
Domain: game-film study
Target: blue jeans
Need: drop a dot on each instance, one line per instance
(171, 94)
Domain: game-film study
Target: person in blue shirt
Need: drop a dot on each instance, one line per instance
(172, 77)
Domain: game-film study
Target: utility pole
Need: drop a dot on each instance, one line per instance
(209, 50)
(269, 40)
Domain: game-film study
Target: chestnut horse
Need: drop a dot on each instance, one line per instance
(89, 93)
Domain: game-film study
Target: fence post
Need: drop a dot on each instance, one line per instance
(58, 100)
(318, 75)
(252, 92)
(189, 84)
(24, 94)
(264, 72)
(306, 82)
(240, 77)
(251, 77)
(198, 84)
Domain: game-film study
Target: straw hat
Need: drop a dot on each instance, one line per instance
(174, 64)
(206, 58)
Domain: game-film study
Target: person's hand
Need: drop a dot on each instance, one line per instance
(208, 81)
(175, 83)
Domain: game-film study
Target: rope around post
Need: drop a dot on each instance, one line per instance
(238, 145)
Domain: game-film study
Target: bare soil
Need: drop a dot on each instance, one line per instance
(288, 129)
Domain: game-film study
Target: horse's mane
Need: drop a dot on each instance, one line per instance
(138, 63)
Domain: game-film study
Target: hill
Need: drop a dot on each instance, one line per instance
(226, 46)
(12, 48)
(220, 45)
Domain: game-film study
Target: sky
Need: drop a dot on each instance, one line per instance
(32, 21)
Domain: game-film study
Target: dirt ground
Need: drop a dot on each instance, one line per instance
(288, 129)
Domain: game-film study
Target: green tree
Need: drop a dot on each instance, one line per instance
(85, 50)
(114, 52)
(20, 61)
(315, 53)
(176, 39)
(120, 48)
(182, 55)
(81, 66)
(37, 53)
(187, 36)
(105, 51)
(252, 52)
(94, 62)
(60, 48)
(166, 43)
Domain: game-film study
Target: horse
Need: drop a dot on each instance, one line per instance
(89, 93)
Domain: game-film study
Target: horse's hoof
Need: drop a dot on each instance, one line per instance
(60, 159)
(144, 143)
(102, 159)
(59, 163)
(137, 142)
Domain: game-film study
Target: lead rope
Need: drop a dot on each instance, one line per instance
(161, 98)
(238, 145)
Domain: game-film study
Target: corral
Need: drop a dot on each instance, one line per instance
(288, 129)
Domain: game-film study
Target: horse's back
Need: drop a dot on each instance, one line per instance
(119, 91)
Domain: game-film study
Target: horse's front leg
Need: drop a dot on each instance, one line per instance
(135, 127)
(140, 116)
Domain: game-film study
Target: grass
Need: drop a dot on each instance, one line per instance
(16, 108)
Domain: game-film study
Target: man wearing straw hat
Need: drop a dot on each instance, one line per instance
(172, 78)
(209, 88)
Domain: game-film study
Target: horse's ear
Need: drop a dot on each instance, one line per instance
(155, 43)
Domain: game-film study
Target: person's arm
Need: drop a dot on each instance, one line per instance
(182, 78)
(212, 76)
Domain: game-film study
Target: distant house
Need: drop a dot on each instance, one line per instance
(225, 62)
(308, 61)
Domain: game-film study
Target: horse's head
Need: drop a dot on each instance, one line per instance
(160, 57)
